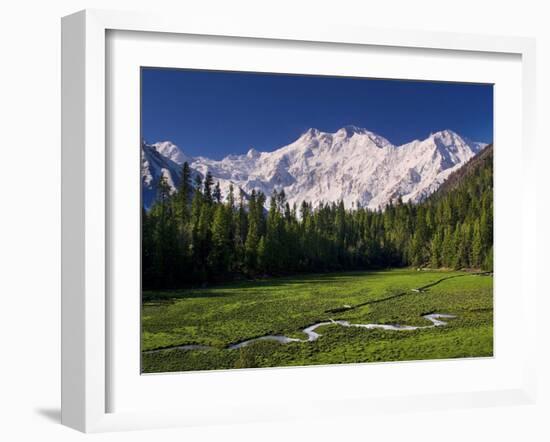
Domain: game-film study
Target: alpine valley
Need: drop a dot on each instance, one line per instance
(353, 165)
(340, 247)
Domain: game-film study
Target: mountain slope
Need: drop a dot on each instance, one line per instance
(479, 163)
(352, 164)
(461, 214)
(153, 166)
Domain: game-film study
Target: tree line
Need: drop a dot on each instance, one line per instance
(197, 235)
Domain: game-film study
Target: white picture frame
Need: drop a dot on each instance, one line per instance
(86, 356)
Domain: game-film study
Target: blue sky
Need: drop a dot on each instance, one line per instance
(215, 113)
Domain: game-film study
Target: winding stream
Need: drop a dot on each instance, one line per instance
(312, 335)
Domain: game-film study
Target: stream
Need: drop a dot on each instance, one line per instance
(312, 335)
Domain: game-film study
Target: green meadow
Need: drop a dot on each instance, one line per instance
(219, 316)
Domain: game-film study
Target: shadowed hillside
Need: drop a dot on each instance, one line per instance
(481, 161)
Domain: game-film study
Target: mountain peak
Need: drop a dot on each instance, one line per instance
(446, 140)
(445, 134)
(351, 130)
(252, 153)
(171, 151)
(449, 139)
(311, 133)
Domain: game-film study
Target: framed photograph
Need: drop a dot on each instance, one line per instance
(253, 258)
(268, 223)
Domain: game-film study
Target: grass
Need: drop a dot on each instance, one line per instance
(223, 315)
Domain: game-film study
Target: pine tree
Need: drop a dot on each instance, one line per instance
(477, 247)
(231, 197)
(272, 243)
(241, 229)
(251, 248)
(182, 211)
(147, 248)
(488, 260)
(184, 193)
(203, 241)
(163, 194)
(435, 251)
(261, 256)
(447, 255)
(218, 259)
(197, 184)
(207, 187)
(217, 193)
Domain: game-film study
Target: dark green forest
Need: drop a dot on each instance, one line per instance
(197, 235)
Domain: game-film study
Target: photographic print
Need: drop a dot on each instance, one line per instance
(296, 220)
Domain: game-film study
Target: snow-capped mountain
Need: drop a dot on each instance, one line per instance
(171, 151)
(351, 164)
(154, 165)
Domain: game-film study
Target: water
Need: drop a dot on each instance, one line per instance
(278, 338)
(312, 335)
